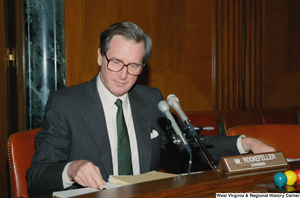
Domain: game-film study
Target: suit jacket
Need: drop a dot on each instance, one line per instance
(74, 128)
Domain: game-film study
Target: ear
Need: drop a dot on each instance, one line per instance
(99, 59)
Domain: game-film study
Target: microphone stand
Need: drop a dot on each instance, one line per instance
(172, 133)
(176, 141)
(208, 157)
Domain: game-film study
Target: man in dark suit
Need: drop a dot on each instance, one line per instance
(78, 142)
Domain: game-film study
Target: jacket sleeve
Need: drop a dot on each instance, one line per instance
(52, 146)
(217, 145)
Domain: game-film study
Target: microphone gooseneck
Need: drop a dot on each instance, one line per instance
(163, 106)
(174, 103)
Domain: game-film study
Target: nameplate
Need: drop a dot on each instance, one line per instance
(252, 162)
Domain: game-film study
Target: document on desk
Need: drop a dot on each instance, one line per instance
(73, 193)
(114, 182)
(134, 179)
(80, 191)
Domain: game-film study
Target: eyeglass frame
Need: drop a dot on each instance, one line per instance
(108, 60)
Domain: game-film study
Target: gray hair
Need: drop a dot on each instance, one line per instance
(130, 31)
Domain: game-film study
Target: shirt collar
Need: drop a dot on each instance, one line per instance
(107, 98)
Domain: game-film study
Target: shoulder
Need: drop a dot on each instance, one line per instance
(145, 96)
(78, 89)
(147, 92)
(146, 89)
(74, 93)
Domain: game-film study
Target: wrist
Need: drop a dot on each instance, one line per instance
(246, 143)
(67, 181)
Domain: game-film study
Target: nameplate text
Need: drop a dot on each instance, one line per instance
(252, 162)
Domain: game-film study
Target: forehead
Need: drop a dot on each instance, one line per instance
(125, 48)
(122, 40)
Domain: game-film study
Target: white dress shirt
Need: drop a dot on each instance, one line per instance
(110, 111)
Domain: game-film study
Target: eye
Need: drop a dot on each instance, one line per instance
(117, 62)
(135, 66)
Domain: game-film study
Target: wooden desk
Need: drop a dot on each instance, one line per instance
(205, 184)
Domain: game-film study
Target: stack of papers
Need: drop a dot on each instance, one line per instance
(134, 179)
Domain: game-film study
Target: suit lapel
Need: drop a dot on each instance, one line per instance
(142, 129)
(94, 118)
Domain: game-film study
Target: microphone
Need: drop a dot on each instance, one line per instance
(174, 103)
(164, 108)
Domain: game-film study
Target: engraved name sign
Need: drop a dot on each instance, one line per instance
(252, 162)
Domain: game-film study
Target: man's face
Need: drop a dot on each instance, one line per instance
(119, 83)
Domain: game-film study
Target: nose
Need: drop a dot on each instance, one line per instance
(123, 73)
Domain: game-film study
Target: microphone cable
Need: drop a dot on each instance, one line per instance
(190, 163)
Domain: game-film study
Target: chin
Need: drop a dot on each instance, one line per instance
(119, 93)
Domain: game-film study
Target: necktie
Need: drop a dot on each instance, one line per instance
(124, 152)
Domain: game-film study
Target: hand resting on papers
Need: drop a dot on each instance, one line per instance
(86, 174)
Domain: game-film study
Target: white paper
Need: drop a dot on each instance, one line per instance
(109, 185)
(73, 192)
(80, 191)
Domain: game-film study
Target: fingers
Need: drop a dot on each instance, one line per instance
(256, 145)
(96, 179)
(86, 174)
(101, 179)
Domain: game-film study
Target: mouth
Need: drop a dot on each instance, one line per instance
(119, 83)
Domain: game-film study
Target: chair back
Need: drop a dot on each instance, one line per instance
(20, 152)
(204, 120)
(278, 117)
(240, 118)
(282, 137)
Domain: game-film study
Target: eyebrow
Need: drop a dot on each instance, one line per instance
(127, 63)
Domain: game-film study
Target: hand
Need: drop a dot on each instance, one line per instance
(256, 146)
(86, 174)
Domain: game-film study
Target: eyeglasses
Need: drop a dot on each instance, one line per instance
(116, 65)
